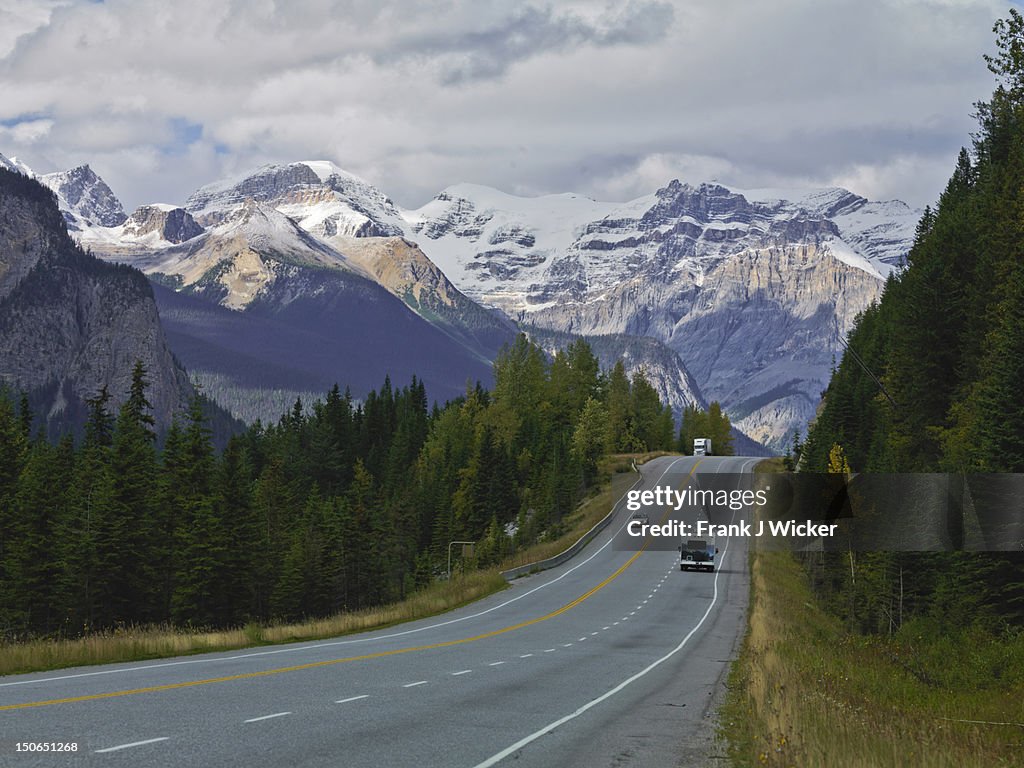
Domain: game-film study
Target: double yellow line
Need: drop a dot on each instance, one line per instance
(313, 665)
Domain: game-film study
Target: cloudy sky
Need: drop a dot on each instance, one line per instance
(609, 99)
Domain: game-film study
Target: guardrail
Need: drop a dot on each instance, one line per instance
(561, 557)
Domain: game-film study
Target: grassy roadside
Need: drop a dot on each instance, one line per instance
(805, 692)
(138, 643)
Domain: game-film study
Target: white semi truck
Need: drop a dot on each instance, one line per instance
(702, 446)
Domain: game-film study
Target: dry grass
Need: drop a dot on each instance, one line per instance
(137, 643)
(805, 692)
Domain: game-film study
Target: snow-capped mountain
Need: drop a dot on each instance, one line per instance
(256, 303)
(880, 230)
(753, 290)
(149, 228)
(235, 261)
(526, 254)
(321, 197)
(84, 198)
(14, 164)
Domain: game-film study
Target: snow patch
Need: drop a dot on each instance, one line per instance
(844, 253)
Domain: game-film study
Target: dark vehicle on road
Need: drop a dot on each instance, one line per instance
(698, 555)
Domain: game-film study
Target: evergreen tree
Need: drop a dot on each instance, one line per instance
(591, 438)
(133, 593)
(336, 506)
(201, 539)
(936, 381)
(621, 419)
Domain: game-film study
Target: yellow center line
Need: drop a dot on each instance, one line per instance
(313, 665)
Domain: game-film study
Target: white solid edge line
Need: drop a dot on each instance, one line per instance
(494, 759)
(133, 744)
(266, 717)
(294, 649)
(352, 698)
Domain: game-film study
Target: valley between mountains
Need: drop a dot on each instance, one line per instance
(284, 280)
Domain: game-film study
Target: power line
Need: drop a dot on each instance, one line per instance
(868, 371)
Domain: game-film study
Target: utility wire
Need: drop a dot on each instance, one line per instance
(867, 370)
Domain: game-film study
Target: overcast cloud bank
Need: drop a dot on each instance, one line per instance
(607, 99)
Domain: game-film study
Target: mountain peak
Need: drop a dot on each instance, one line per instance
(14, 164)
(167, 224)
(325, 169)
(322, 197)
(84, 198)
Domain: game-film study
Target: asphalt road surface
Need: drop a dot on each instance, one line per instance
(616, 658)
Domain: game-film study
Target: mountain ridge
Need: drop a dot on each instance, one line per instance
(702, 268)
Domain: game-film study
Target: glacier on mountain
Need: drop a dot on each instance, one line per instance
(753, 289)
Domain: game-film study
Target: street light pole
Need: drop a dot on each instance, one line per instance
(450, 544)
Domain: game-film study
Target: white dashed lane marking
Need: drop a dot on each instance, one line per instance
(352, 698)
(132, 744)
(413, 685)
(266, 717)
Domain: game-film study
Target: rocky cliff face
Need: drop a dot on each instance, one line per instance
(754, 290)
(165, 223)
(404, 270)
(84, 198)
(70, 323)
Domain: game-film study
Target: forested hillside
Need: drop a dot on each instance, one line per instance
(338, 505)
(934, 377)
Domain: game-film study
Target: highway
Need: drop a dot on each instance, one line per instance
(615, 658)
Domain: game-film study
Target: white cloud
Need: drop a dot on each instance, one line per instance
(22, 17)
(607, 99)
(26, 132)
